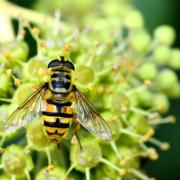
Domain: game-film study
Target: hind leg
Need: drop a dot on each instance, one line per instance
(78, 126)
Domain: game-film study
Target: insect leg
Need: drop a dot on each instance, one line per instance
(78, 126)
(79, 142)
(58, 146)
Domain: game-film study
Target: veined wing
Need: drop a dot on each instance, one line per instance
(89, 118)
(29, 110)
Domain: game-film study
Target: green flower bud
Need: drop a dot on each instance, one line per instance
(15, 52)
(114, 124)
(144, 97)
(55, 174)
(127, 160)
(175, 59)
(88, 157)
(53, 53)
(3, 117)
(22, 92)
(105, 172)
(35, 70)
(139, 123)
(5, 84)
(134, 20)
(20, 52)
(165, 34)
(175, 91)
(147, 71)
(167, 79)
(161, 102)
(162, 54)
(15, 161)
(36, 137)
(119, 102)
(113, 9)
(84, 74)
(141, 42)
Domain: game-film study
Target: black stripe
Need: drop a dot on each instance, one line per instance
(67, 77)
(57, 124)
(56, 132)
(57, 114)
(54, 75)
(67, 85)
(54, 102)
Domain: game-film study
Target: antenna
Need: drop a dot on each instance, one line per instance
(62, 58)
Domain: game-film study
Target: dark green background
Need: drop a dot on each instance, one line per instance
(157, 12)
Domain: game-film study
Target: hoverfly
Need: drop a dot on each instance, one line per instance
(59, 101)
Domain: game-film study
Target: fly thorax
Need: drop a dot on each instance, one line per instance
(60, 82)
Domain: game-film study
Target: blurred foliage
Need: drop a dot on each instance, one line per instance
(127, 74)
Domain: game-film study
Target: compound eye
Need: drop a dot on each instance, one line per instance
(54, 63)
(69, 65)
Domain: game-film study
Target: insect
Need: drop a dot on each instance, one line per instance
(59, 101)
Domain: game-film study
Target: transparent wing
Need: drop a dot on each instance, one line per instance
(89, 118)
(29, 110)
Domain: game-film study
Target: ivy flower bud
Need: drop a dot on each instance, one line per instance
(56, 173)
(165, 34)
(134, 20)
(88, 157)
(175, 59)
(15, 162)
(35, 70)
(147, 71)
(167, 79)
(84, 74)
(162, 54)
(36, 137)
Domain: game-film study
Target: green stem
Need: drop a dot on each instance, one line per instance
(6, 27)
(105, 161)
(15, 11)
(2, 140)
(139, 175)
(87, 174)
(105, 71)
(143, 146)
(128, 132)
(162, 121)
(6, 100)
(69, 170)
(48, 156)
(162, 145)
(114, 147)
(139, 111)
(136, 89)
(27, 174)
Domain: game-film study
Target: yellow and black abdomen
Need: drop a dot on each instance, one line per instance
(57, 117)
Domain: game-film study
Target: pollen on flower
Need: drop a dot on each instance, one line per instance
(17, 81)
(35, 31)
(67, 48)
(7, 55)
(152, 154)
(165, 146)
(147, 135)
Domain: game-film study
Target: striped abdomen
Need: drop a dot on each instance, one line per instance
(57, 118)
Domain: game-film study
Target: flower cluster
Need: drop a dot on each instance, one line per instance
(126, 73)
